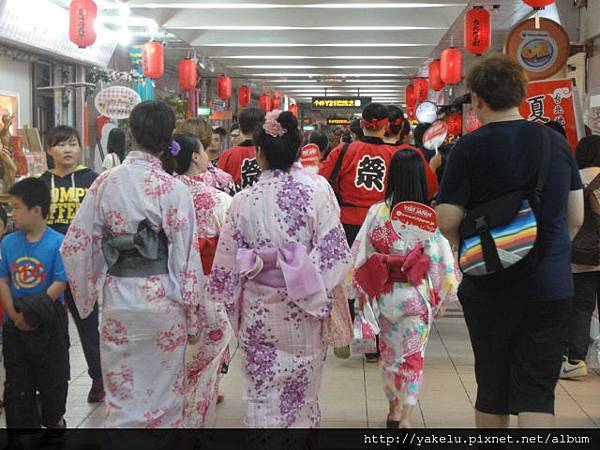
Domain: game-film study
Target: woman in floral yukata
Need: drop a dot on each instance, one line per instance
(211, 207)
(407, 276)
(134, 244)
(281, 253)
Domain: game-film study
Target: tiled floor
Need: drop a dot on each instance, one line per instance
(352, 393)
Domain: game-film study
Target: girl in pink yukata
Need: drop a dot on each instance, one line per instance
(407, 277)
(134, 244)
(281, 253)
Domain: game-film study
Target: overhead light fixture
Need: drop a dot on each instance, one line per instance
(286, 28)
(151, 5)
(295, 57)
(357, 67)
(309, 75)
(334, 44)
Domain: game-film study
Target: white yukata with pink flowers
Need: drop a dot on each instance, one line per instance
(281, 252)
(203, 368)
(146, 321)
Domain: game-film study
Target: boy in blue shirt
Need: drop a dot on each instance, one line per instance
(32, 282)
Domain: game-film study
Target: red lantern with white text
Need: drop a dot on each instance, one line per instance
(410, 97)
(224, 88)
(451, 66)
(293, 108)
(265, 103)
(478, 33)
(421, 89)
(82, 18)
(188, 74)
(435, 81)
(538, 4)
(153, 59)
(454, 121)
(275, 103)
(244, 96)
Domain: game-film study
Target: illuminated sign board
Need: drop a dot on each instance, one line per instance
(204, 111)
(337, 121)
(340, 102)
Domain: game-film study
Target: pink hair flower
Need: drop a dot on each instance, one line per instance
(271, 126)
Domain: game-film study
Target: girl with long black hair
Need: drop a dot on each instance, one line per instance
(407, 275)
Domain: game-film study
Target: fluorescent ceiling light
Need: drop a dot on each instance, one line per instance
(293, 66)
(293, 57)
(285, 28)
(341, 86)
(334, 44)
(290, 6)
(372, 91)
(322, 75)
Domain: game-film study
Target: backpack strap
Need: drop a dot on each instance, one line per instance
(336, 169)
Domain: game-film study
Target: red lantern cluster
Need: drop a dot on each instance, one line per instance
(454, 121)
(82, 18)
(244, 96)
(276, 102)
(478, 32)
(188, 74)
(266, 103)
(153, 59)
(421, 89)
(451, 66)
(410, 97)
(224, 88)
(538, 4)
(293, 108)
(435, 81)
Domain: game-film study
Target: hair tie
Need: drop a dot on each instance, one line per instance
(174, 148)
(272, 126)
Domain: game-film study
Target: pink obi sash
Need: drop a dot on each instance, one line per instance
(382, 270)
(287, 266)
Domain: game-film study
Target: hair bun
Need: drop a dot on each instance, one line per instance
(288, 121)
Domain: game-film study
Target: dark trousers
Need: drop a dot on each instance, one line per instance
(40, 367)
(587, 290)
(88, 334)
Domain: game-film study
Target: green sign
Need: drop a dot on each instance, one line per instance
(204, 111)
(308, 128)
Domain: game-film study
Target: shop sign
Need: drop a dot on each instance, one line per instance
(340, 102)
(116, 102)
(553, 100)
(308, 127)
(541, 50)
(204, 111)
(337, 121)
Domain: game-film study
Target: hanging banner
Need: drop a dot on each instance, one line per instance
(553, 100)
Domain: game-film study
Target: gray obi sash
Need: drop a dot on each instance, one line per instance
(138, 255)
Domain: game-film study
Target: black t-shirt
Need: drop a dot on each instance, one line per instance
(504, 157)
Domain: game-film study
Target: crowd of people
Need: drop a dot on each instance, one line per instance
(188, 248)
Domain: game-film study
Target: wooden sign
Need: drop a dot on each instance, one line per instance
(541, 50)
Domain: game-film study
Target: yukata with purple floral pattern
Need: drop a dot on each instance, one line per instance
(404, 311)
(146, 320)
(283, 353)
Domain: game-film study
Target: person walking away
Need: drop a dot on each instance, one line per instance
(408, 277)
(211, 205)
(586, 262)
(69, 182)
(240, 161)
(134, 242)
(281, 252)
(523, 314)
(35, 339)
(116, 149)
(213, 176)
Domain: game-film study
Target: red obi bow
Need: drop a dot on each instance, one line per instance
(208, 248)
(380, 270)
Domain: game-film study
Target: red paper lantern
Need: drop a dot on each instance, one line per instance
(421, 89)
(224, 88)
(188, 74)
(293, 108)
(451, 66)
(82, 16)
(435, 81)
(538, 4)
(275, 103)
(478, 31)
(410, 97)
(153, 59)
(265, 102)
(410, 113)
(454, 121)
(244, 96)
